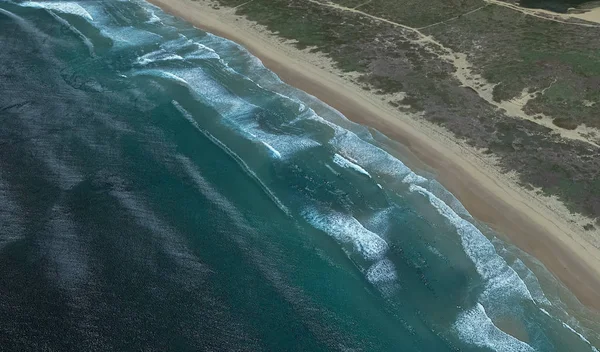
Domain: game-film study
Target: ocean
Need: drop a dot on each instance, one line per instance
(160, 189)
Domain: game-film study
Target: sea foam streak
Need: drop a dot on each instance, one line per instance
(368, 155)
(382, 271)
(60, 6)
(236, 157)
(203, 52)
(501, 279)
(156, 57)
(345, 163)
(502, 284)
(413, 178)
(474, 326)
(240, 115)
(273, 151)
(85, 39)
(129, 36)
(153, 18)
(346, 229)
(162, 74)
(580, 336)
(531, 281)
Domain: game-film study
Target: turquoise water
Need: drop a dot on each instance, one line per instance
(161, 190)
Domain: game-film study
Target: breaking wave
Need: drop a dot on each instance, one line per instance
(347, 230)
(69, 7)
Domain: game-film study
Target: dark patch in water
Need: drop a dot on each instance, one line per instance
(561, 6)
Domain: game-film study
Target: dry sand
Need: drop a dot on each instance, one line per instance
(539, 225)
(592, 15)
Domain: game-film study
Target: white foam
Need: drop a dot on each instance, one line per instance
(368, 155)
(194, 49)
(130, 36)
(60, 6)
(359, 154)
(234, 156)
(157, 56)
(85, 39)
(436, 188)
(383, 276)
(258, 70)
(274, 151)
(382, 271)
(241, 115)
(475, 327)
(413, 178)
(332, 170)
(173, 45)
(580, 336)
(285, 144)
(501, 279)
(162, 74)
(532, 282)
(436, 252)
(230, 106)
(380, 221)
(203, 52)
(153, 17)
(346, 229)
(345, 163)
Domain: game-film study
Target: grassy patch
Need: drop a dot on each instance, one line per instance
(518, 52)
(416, 13)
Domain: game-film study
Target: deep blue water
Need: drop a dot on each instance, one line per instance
(161, 190)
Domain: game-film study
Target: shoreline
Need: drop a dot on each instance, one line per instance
(525, 220)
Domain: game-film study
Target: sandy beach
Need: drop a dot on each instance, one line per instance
(592, 15)
(539, 225)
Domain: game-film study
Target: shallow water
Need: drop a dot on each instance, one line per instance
(160, 189)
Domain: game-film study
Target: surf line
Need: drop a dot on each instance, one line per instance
(235, 157)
